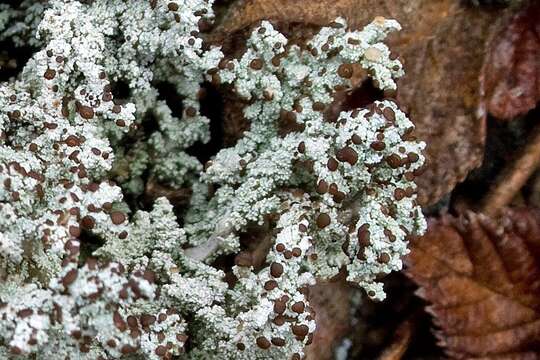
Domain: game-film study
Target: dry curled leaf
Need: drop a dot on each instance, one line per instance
(442, 45)
(482, 277)
(511, 74)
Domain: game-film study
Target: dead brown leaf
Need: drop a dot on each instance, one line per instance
(442, 45)
(511, 75)
(331, 302)
(177, 197)
(482, 277)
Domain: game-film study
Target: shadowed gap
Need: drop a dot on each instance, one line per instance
(211, 106)
(13, 59)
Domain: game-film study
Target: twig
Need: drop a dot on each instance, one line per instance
(514, 176)
(205, 250)
(401, 341)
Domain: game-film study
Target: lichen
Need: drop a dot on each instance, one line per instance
(89, 272)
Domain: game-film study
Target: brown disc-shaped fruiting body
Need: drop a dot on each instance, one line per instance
(276, 269)
(322, 187)
(256, 64)
(86, 112)
(298, 307)
(347, 154)
(323, 220)
(118, 217)
(345, 71)
(263, 342)
(332, 164)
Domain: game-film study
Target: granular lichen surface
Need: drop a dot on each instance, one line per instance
(86, 274)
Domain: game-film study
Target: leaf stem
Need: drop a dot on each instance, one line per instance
(514, 176)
